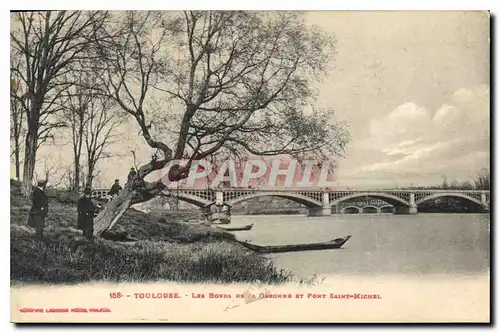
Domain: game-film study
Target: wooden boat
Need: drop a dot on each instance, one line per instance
(243, 228)
(333, 244)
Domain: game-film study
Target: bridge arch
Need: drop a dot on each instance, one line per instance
(369, 206)
(358, 210)
(448, 195)
(389, 198)
(299, 198)
(386, 207)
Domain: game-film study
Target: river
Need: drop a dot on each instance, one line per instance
(413, 245)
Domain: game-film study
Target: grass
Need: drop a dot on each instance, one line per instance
(166, 250)
(66, 257)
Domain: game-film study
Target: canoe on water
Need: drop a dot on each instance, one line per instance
(333, 244)
(242, 228)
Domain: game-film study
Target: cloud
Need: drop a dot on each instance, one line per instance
(406, 143)
(405, 123)
(447, 117)
(411, 139)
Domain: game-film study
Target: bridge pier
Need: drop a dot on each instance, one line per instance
(336, 209)
(325, 210)
(484, 203)
(320, 211)
(401, 210)
(412, 209)
(217, 214)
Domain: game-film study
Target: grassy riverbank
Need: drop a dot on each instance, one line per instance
(166, 250)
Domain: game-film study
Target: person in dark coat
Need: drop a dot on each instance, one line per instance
(39, 209)
(116, 188)
(86, 214)
(131, 174)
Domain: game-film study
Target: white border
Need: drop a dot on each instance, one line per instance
(261, 5)
(492, 5)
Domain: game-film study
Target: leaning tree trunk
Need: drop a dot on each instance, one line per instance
(136, 191)
(113, 210)
(133, 192)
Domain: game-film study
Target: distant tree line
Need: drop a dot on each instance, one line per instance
(449, 205)
(479, 181)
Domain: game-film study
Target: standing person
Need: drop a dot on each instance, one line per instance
(86, 212)
(39, 209)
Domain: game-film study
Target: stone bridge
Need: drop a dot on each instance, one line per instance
(321, 203)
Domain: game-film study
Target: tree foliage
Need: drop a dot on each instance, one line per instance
(201, 82)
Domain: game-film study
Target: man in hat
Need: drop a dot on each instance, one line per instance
(39, 209)
(116, 188)
(86, 213)
(131, 174)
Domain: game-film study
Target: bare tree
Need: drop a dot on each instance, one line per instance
(92, 119)
(239, 82)
(49, 46)
(481, 180)
(99, 132)
(75, 115)
(52, 172)
(16, 119)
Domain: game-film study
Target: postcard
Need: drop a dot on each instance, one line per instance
(250, 166)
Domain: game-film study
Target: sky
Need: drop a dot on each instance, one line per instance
(413, 88)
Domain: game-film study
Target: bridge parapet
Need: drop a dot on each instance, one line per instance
(232, 195)
(208, 195)
(100, 194)
(321, 201)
